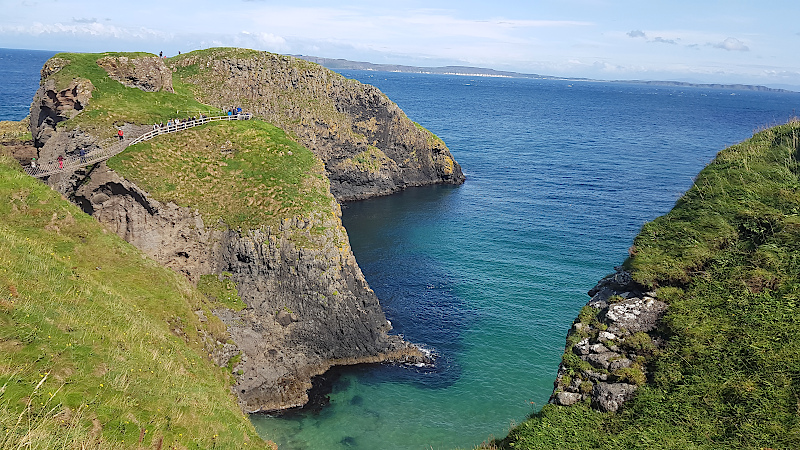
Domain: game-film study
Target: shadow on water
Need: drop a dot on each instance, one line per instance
(417, 293)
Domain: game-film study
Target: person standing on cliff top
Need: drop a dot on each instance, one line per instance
(120, 134)
(60, 161)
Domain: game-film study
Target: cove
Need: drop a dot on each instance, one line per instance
(490, 275)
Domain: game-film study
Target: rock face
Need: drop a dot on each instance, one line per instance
(367, 143)
(309, 307)
(52, 105)
(609, 345)
(147, 73)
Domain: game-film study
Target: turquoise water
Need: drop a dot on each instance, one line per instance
(490, 275)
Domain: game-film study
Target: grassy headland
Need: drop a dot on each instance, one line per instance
(112, 336)
(245, 173)
(727, 261)
(113, 104)
(99, 346)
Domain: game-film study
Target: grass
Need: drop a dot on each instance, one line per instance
(244, 173)
(14, 131)
(727, 261)
(99, 346)
(113, 104)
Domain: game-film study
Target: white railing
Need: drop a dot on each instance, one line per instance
(70, 163)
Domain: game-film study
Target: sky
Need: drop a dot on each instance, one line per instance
(749, 42)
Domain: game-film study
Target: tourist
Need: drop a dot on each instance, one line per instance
(120, 134)
(60, 161)
(33, 162)
(83, 155)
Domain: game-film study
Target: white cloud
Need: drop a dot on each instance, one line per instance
(637, 34)
(87, 29)
(261, 40)
(664, 40)
(732, 44)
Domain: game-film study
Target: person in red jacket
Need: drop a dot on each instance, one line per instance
(119, 133)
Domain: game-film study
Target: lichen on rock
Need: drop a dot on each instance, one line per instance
(336, 118)
(147, 73)
(609, 345)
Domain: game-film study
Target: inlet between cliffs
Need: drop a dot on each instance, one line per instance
(492, 274)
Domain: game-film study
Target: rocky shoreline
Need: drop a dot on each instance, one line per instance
(609, 345)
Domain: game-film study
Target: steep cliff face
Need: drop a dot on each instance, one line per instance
(309, 306)
(367, 143)
(241, 200)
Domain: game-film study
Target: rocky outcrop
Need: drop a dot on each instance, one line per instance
(308, 305)
(52, 105)
(367, 143)
(609, 345)
(147, 73)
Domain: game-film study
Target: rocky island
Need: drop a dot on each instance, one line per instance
(246, 211)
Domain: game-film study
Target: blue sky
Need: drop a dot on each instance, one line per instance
(702, 41)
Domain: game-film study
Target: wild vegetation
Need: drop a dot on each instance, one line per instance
(727, 261)
(101, 347)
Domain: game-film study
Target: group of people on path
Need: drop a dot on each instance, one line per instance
(180, 123)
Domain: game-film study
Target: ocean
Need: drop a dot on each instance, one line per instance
(561, 175)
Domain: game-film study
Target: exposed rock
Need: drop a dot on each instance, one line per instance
(635, 314)
(610, 396)
(52, 105)
(567, 398)
(147, 73)
(607, 365)
(367, 143)
(335, 317)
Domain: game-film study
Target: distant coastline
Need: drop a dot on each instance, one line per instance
(344, 64)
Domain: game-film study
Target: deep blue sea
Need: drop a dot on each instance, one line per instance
(561, 175)
(19, 79)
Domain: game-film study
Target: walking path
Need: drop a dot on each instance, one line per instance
(70, 163)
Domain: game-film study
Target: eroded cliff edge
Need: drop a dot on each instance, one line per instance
(368, 145)
(308, 305)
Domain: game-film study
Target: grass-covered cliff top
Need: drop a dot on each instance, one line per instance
(99, 346)
(246, 173)
(113, 104)
(290, 97)
(727, 261)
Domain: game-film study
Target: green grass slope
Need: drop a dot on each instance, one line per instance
(727, 261)
(99, 346)
(113, 104)
(245, 173)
